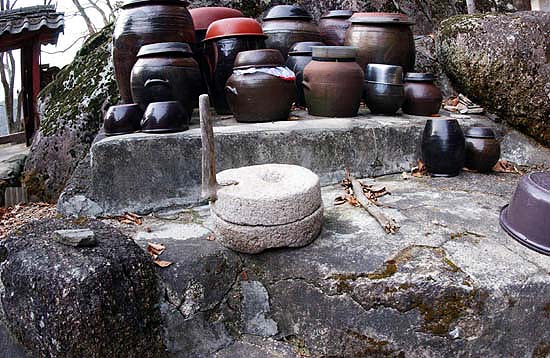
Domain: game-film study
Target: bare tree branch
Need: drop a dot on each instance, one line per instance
(100, 10)
(89, 24)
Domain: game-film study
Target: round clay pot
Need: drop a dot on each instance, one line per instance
(259, 96)
(286, 25)
(298, 58)
(443, 147)
(422, 97)
(382, 38)
(122, 119)
(382, 98)
(146, 22)
(163, 117)
(166, 72)
(224, 40)
(482, 149)
(202, 18)
(333, 82)
(333, 26)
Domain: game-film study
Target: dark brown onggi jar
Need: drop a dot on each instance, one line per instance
(166, 72)
(482, 149)
(261, 88)
(333, 26)
(287, 24)
(383, 38)
(298, 58)
(143, 22)
(333, 82)
(422, 97)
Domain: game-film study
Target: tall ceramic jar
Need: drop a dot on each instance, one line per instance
(143, 22)
(223, 42)
(166, 72)
(261, 87)
(333, 26)
(422, 97)
(333, 82)
(298, 58)
(443, 147)
(286, 25)
(383, 38)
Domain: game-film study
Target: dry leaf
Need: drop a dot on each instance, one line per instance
(155, 250)
(211, 237)
(504, 166)
(162, 263)
(294, 118)
(420, 170)
(244, 276)
(340, 200)
(130, 219)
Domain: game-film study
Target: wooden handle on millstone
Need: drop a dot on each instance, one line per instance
(209, 183)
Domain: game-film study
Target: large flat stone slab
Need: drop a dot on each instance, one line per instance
(150, 172)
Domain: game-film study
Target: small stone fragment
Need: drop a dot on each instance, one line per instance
(75, 238)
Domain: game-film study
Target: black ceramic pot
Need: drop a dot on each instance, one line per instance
(382, 98)
(443, 147)
(482, 149)
(166, 72)
(220, 55)
(122, 119)
(298, 58)
(161, 117)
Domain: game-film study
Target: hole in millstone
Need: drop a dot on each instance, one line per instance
(271, 176)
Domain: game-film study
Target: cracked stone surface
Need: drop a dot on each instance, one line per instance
(255, 310)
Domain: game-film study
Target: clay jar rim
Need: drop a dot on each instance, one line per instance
(320, 53)
(341, 14)
(287, 12)
(134, 3)
(480, 132)
(419, 77)
(178, 48)
(380, 18)
(303, 48)
(234, 27)
(204, 16)
(259, 58)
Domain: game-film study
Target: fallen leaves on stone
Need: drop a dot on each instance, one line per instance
(504, 166)
(462, 105)
(155, 250)
(420, 170)
(130, 219)
(19, 215)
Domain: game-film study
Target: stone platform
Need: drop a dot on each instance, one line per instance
(143, 173)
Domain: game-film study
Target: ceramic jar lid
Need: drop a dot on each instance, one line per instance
(479, 132)
(259, 58)
(204, 16)
(236, 26)
(178, 48)
(381, 18)
(334, 52)
(337, 14)
(287, 12)
(303, 48)
(418, 77)
(380, 73)
(130, 3)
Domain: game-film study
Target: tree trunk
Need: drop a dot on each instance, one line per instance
(7, 77)
(82, 11)
(523, 5)
(471, 6)
(101, 12)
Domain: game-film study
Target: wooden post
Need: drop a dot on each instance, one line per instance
(209, 183)
(30, 83)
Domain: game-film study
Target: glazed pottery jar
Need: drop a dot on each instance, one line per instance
(202, 18)
(422, 97)
(166, 72)
(164, 117)
(443, 147)
(482, 149)
(224, 40)
(384, 91)
(122, 119)
(298, 58)
(260, 89)
(333, 82)
(333, 26)
(287, 24)
(143, 22)
(382, 38)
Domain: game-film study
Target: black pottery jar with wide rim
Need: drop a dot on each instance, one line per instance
(443, 147)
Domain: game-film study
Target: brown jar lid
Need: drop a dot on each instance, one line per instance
(179, 48)
(334, 52)
(479, 132)
(287, 12)
(259, 58)
(303, 48)
(418, 77)
(344, 14)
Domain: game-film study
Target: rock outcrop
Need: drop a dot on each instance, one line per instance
(71, 110)
(503, 63)
(63, 301)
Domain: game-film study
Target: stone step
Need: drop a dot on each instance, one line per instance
(149, 172)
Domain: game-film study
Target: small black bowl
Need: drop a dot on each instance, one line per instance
(169, 116)
(122, 119)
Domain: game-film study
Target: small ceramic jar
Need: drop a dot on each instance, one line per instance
(443, 147)
(384, 91)
(261, 88)
(333, 26)
(333, 82)
(482, 149)
(422, 97)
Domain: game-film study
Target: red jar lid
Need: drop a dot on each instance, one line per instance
(204, 16)
(237, 26)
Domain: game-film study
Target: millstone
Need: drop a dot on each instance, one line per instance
(269, 194)
(267, 206)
